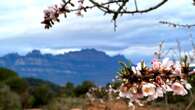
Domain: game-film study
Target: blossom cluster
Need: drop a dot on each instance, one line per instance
(102, 93)
(149, 83)
(52, 14)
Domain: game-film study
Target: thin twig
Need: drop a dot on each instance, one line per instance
(136, 7)
(68, 7)
(190, 104)
(177, 25)
(166, 102)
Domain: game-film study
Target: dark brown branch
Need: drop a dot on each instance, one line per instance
(177, 25)
(190, 104)
(115, 16)
(136, 7)
(52, 16)
(128, 11)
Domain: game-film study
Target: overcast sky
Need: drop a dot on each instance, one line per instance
(137, 36)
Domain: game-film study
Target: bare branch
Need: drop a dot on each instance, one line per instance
(177, 25)
(52, 14)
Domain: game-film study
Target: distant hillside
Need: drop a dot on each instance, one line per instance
(87, 64)
(32, 82)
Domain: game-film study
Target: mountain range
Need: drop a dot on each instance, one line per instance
(77, 66)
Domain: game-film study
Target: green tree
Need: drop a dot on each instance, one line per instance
(17, 85)
(6, 74)
(42, 95)
(68, 90)
(82, 89)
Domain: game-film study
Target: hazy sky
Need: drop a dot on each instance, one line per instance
(136, 37)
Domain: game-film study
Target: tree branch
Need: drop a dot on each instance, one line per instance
(177, 25)
(52, 14)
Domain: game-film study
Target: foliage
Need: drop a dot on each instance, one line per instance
(8, 99)
(11, 79)
(99, 93)
(6, 74)
(33, 83)
(17, 85)
(38, 93)
(82, 89)
(31, 92)
(42, 95)
(69, 90)
(64, 103)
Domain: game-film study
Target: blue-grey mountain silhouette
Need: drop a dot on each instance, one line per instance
(77, 66)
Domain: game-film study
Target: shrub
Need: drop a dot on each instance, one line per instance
(82, 89)
(8, 99)
(63, 103)
(42, 95)
(68, 90)
(6, 74)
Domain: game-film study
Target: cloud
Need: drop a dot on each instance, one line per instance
(58, 51)
(139, 50)
(137, 36)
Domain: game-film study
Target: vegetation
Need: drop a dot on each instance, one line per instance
(6, 74)
(17, 93)
(36, 93)
(8, 99)
(65, 103)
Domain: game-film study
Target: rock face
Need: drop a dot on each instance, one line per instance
(87, 64)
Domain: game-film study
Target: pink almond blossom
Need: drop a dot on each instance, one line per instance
(178, 89)
(148, 89)
(156, 64)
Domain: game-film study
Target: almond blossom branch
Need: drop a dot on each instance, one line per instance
(141, 82)
(51, 15)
